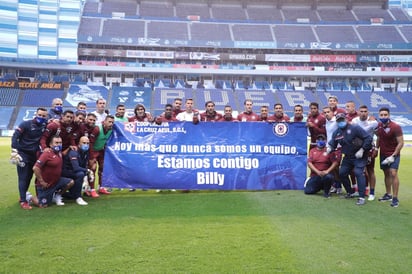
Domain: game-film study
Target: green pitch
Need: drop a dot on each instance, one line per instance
(206, 232)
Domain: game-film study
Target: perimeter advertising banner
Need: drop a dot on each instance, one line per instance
(221, 155)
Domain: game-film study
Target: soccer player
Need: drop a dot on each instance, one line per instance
(279, 116)
(62, 128)
(390, 142)
(75, 167)
(264, 113)
(190, 114)
(315, 123)
(369, 124)
(298, 114)
(227, 116)
(100, 111)
(167, 115)
(25, 145)
(97, 155)
(210, 114)
(141, 115)
(321, 167)
(120, 113)
(248, 115)
(49, 182)
(56, 110)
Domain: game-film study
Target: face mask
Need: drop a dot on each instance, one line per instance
(321, 143)
(84, 147)
(342, 124)
(41, 120)
(228, 117)
(384, 120)
(57, 148)
(168, 115)
(58, 109)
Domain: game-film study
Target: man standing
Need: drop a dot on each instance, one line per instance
(166, 116)
(49, 183)
(390, 142)
(120, 113)
(141, 115)
(264, 113)
(62, 128)
(278, 116)
(56, 110)
(210, 114)
(227, 116)
(369, 124)
(355, 143)
(298, 114)
(189, 114)
(25, 144)
(315, 123)
(100, 111)
(97, 154)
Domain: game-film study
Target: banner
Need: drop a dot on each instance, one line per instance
(210, 155)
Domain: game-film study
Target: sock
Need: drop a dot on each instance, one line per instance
(372, 191)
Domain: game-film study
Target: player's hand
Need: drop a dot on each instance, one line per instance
(359, 153)
(15, 157)
(388, 160)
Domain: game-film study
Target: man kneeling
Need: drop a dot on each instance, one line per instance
(321, 165)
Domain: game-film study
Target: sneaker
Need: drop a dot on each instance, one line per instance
(94, 194)
(332, 189)
(25, 205)
(132, 189)
(339, 190)
(395, 202)
(102, 190)
(326, 195)
(355, 194)
(57, 198)
(371, 197)
(386, 197)
(361, 201)
(158, 190)
(88, 193)
(81, 202)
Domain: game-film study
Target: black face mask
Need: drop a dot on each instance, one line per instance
(168, 115)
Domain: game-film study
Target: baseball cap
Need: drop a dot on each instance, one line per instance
(340, 116)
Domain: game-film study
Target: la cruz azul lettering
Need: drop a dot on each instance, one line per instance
(226, 156)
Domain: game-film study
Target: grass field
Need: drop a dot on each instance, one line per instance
(206, 232)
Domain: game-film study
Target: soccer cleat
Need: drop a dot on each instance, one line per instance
(386, 197)
(81, 202)
(25, 205)
(395, 202)
(371, 197)
(94, 194)
(332, 189)
(57, 198)
(361, 201)
(102, 190)
(355, 194)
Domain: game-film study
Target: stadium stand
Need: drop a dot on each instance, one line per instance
(292, 52)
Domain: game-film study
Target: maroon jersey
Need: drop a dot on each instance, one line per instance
(59, 129)
(248, 117)
(320, 159)
(206, 117)
(50, 164)
(283, 118)
(146, 118)
(162, 119)
(387, 137)
(351, 116)
(318, 122)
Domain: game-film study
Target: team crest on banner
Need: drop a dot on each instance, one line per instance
(280, 129)
(130, 127)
